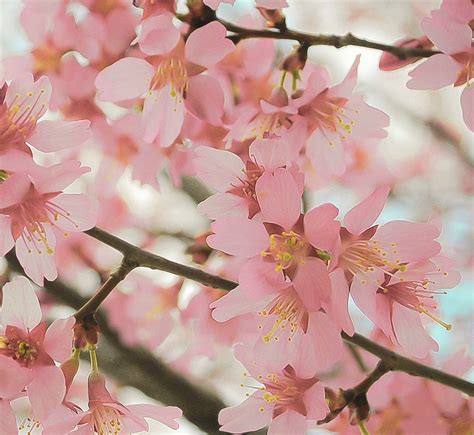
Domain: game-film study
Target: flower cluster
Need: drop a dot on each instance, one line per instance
(138, 89)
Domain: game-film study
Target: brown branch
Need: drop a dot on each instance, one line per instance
(308, 39)
(91, 306)
(356, 397)
(398, 362)
(393, 360)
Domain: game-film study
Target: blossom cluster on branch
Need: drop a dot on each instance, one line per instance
(140, 89)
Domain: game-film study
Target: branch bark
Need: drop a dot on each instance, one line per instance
(337, 41)
(394, 361)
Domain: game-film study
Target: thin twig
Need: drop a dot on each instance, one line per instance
(356, 397)
(91, 306)
(393, 360)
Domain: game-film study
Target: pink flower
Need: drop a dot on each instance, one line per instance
(33, 207)
(33, 347)
(367, 252)
(286, 400)
(172, 79)
(334, 115)
(294, 247)
(106, 415)
(274, 117)
(283, 323)
(24, 104)
(449, 29)
(396, 302)
(236, 180)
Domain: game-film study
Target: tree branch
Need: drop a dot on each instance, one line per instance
(308, 39)
(393, 360)
(139, 368)
(91, 306)
(356, 397)
(322, 39)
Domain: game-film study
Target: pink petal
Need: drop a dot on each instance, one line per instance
(214, 4)
(223, 204)
(52, 136)
(218, 168)
(14, 189)
(6, 238)
(363, 215)
(326, 152)
(125, 79)
(14, 378)
(346, 87)
(410, 332)
(247, 416)
(158, 35)
(260, 275)
(271, 153)
(320, 227)
(289, 423)
(58, 339)
(205, 98)
(448, 35)
(57, 177)
(8, 424)
(279, 198)
(164, 414)
(434, 73)
(236, 235)
(20, 305)
(326, 339)
(338, 309)
(240, 300)
(208, 45)
(23, 93)
(38, 265)
(146, 165)
(272, 4)
(408, 241)
(315, 402)
(363, 291)
(467, 105)
(163, 116)
(47, 390)
(312, 283)
(76, 212)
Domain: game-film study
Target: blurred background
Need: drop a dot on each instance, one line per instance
(428, 155)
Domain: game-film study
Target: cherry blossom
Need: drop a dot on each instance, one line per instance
(33, 347)
(33, 208)
(287, 400)
(172, 79)
(449, 29)
(106, 415)
(25, 102)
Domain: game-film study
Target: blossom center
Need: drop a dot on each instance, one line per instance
(416, 296)
(18, 120)
(331, 114)
(286, 249)
(287, 313)
(19, 349)
(3, 175)
(171, 72)
(106, 421)
(362, 256)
